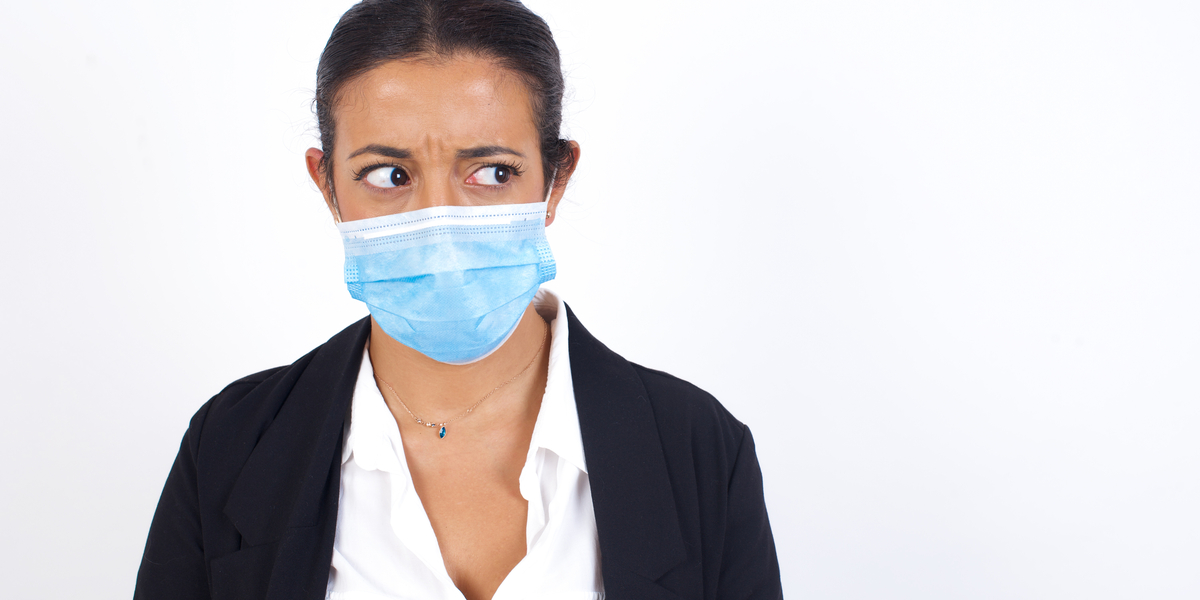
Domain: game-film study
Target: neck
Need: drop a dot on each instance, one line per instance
(436, 391)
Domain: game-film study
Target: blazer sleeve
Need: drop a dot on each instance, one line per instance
(750, 568)
(173, 564)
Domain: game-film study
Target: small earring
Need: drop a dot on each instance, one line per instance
(549, 214)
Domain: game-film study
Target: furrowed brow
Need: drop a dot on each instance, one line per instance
(486, 151)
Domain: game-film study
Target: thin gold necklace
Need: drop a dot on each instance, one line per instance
(442, 426)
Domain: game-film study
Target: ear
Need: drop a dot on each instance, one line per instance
(560, 186)
(312, 159)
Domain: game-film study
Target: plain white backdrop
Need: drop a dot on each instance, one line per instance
(942, 257)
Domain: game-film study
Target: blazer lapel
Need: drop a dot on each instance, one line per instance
(636, 517)
(287, 493)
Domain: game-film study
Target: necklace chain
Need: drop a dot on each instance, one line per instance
(442, 426)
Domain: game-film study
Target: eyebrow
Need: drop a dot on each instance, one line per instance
(382, 150)
(401, 153)
(486, 151)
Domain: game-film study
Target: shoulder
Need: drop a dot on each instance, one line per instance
(612, 390)
(248, 405)
(687, 415)
(237, 416)
(232, 394)
(682, 400)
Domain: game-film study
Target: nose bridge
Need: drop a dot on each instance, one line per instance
(438, 189)
(437, 186)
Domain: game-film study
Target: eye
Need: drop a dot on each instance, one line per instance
(387, 177)
(492, 175)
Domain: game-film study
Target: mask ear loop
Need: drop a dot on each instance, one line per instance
(550, 192)
(337, 211)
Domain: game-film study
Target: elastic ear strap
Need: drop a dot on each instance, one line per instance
(553, 181)
(337, 211)
(547, 268)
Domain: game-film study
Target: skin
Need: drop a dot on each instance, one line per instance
(440, 112)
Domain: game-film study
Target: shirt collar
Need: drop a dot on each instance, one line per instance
(374, 440)
(557, 426)
(372, 436)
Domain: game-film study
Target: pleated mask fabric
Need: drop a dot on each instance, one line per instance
(449, 281)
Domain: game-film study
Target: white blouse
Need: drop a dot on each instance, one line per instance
(385, 547)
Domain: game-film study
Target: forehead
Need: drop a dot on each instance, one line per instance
(463, 101)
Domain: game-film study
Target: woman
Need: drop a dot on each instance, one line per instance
(470, 439)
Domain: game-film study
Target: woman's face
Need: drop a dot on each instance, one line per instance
(412, 134)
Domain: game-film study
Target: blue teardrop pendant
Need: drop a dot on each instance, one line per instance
(442, 432)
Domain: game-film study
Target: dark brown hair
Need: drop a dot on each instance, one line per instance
(376, 31)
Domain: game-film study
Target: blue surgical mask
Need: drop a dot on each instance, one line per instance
(449, 281)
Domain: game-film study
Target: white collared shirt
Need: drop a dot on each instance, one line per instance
(385, 547)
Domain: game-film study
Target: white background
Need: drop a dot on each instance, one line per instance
(941, 257)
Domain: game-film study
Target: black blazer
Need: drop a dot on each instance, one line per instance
(250, 506)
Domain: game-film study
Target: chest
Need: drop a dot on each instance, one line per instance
(475, 507)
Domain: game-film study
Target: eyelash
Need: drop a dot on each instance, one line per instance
(517, 169)
(358, 175)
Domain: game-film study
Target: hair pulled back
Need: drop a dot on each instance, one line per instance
(373, 32)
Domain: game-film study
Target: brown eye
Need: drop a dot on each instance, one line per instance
(387, 177)
(493, 175)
